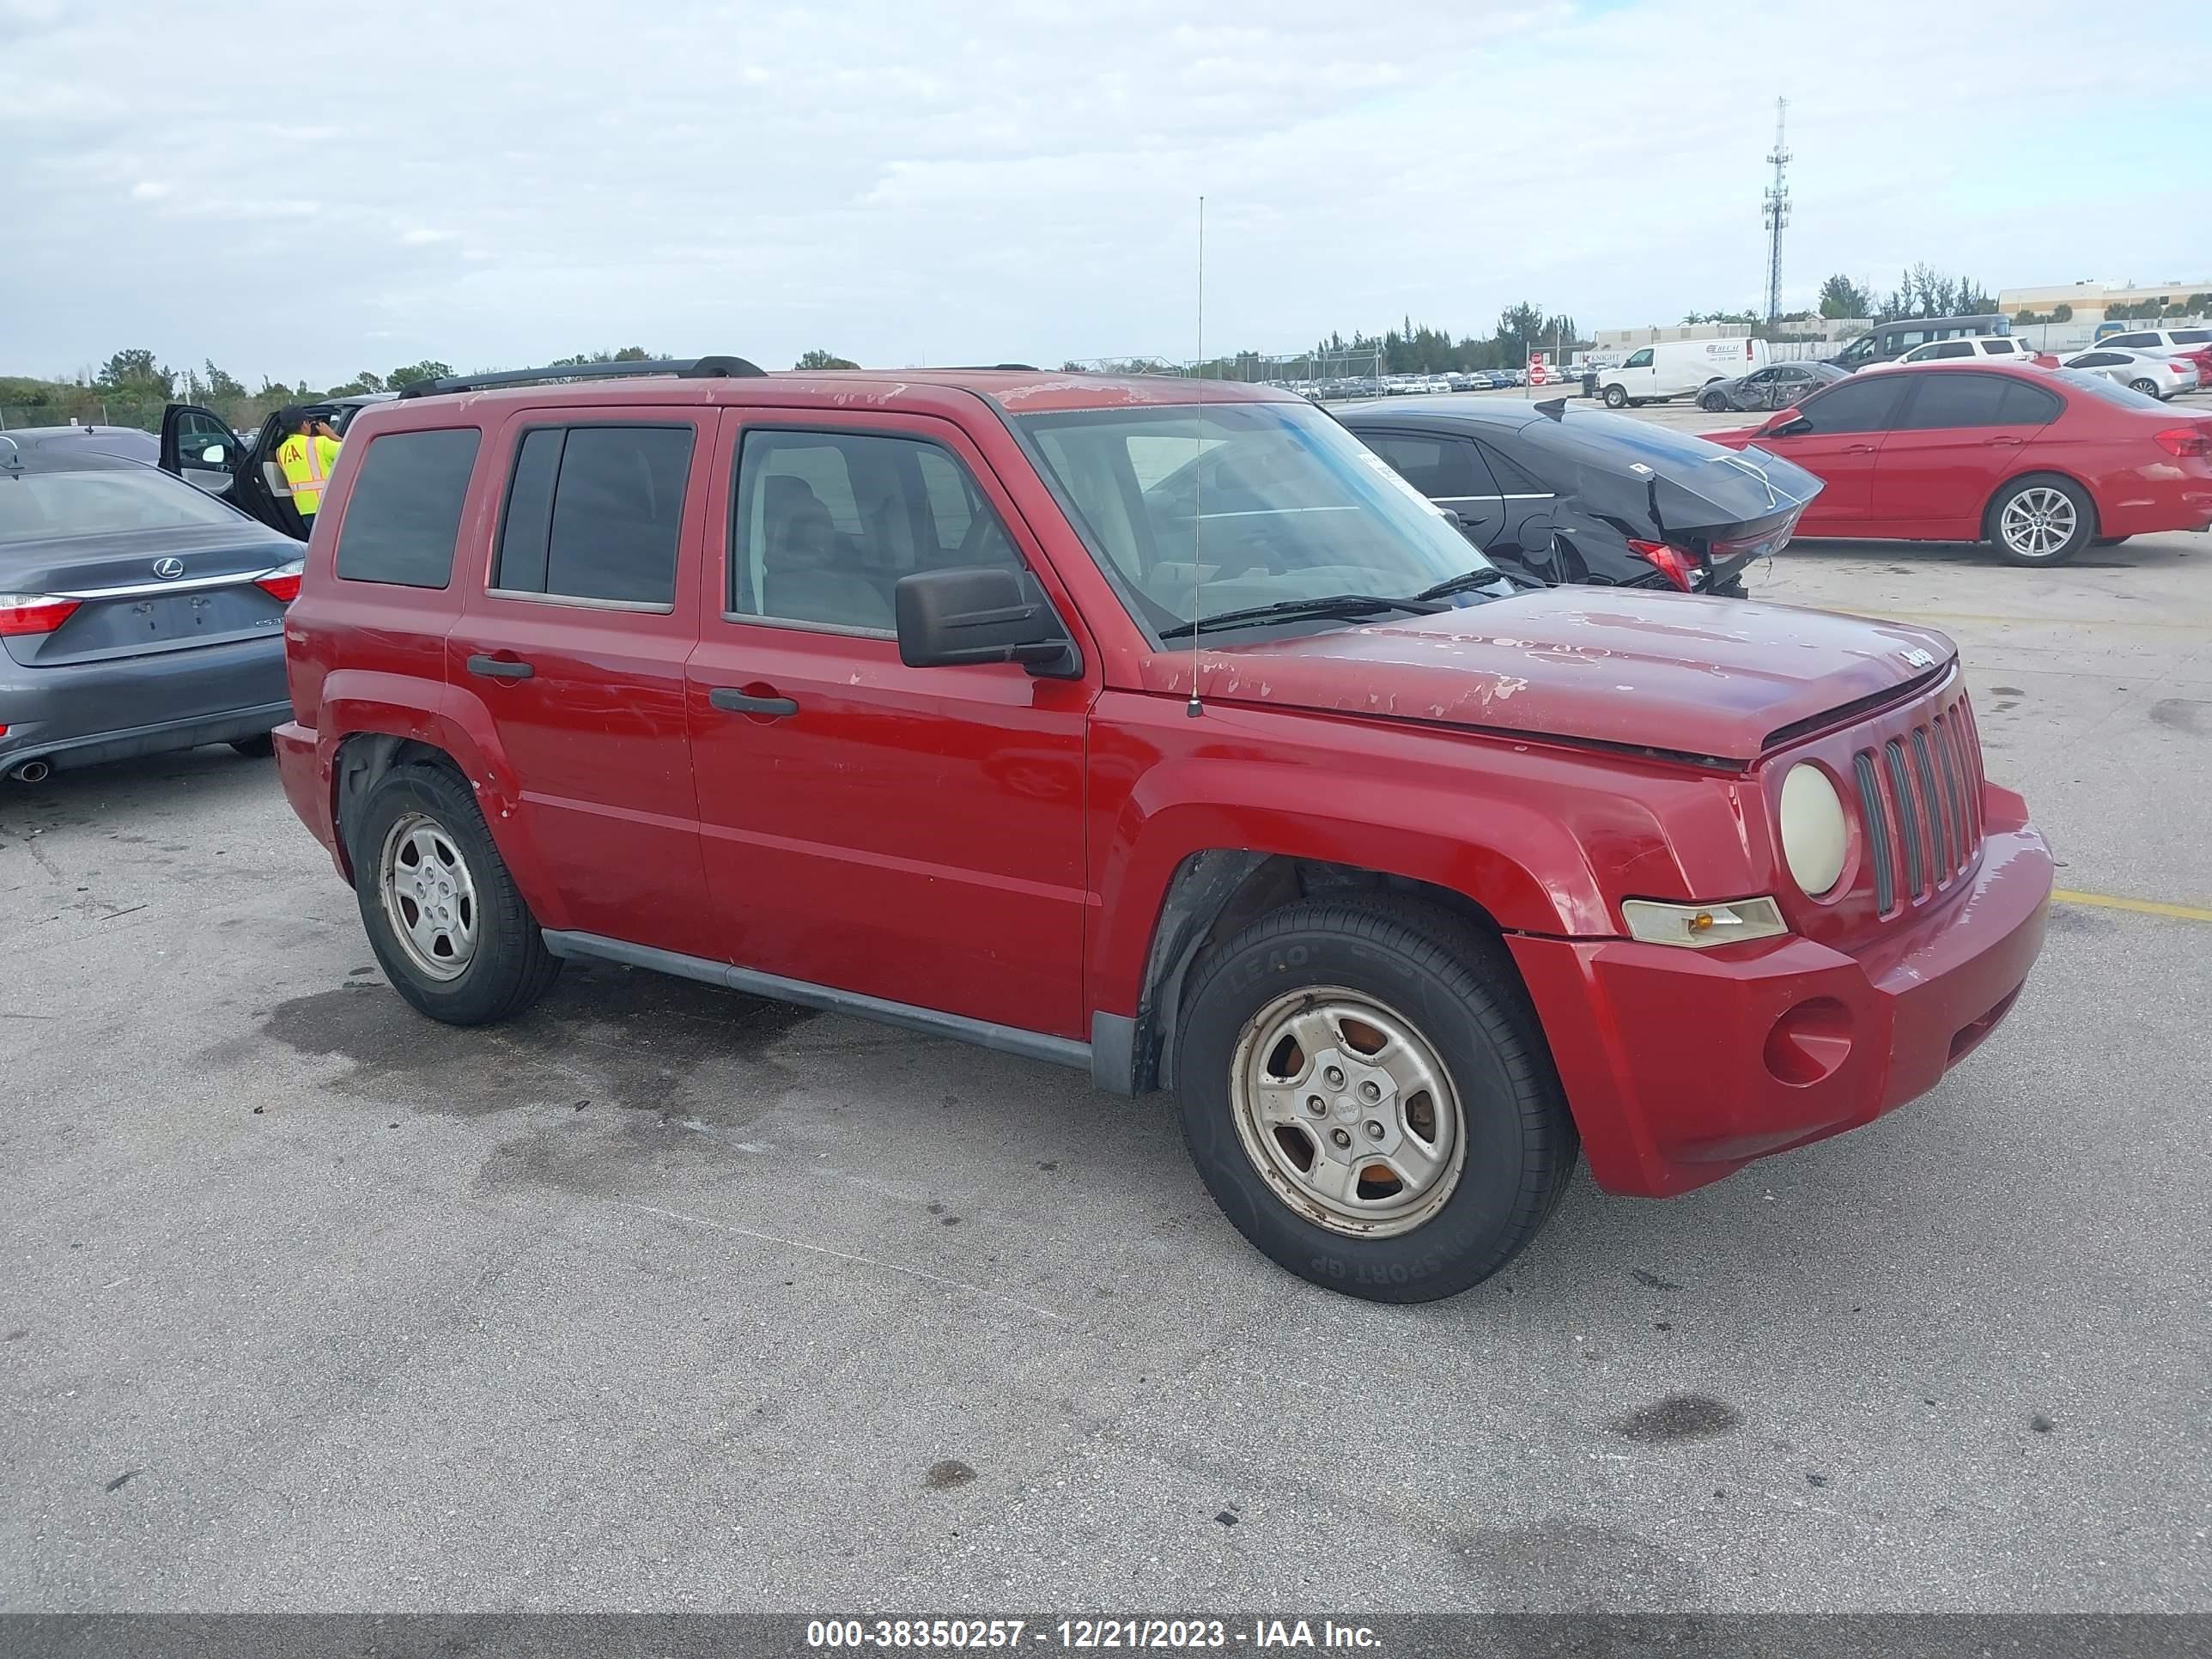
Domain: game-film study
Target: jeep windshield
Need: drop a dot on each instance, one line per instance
(1215, 514)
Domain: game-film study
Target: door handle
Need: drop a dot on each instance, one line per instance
(2002, 443)
(1859, 449)
(500, 668)
(744, 702)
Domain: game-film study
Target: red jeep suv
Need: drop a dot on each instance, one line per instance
(967, 701)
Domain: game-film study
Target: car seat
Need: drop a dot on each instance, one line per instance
(799, 546)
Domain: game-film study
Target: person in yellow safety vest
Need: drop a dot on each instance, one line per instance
(307, 457)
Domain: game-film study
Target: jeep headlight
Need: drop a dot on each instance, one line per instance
(1813, 833)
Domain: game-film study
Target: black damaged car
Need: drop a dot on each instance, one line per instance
(1579, 496)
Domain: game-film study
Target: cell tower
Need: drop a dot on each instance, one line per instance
(1778, 210)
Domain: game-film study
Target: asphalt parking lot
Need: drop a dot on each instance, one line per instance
(666, 1297)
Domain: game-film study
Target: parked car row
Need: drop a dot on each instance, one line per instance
(1397, 385)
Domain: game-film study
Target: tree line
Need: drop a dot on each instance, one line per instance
(132, 385)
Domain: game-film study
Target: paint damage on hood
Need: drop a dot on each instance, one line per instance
(1638, 667)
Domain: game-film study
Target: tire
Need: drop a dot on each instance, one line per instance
(257, 748)
(2110, 541)
(1731, 589)
(1431, 999)
(2040, 520)
(1713, 404)
(2148, 388)
(424, 819)
(1616, 397)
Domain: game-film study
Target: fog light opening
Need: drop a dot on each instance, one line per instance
(1808, 1043)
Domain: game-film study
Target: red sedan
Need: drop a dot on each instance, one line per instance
(2038, 464)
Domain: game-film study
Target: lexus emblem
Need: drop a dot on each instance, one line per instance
(169, 569)
(1917, 658)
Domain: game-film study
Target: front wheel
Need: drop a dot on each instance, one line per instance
(1616, 397)
(442, 913)
(2041, 520)
(1367, 1095)
(1713, 404)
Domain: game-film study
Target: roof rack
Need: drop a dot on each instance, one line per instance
(687, 368)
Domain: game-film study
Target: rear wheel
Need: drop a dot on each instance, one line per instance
(1368, 1096)
(2041, 520)
(1733, 589)
(256, 747)
(1616, 397)
(2148, 388)
(442, 913)
(1713, 404)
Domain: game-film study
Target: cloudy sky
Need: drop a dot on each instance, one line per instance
(968, 181)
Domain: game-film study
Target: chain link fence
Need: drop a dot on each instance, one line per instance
(91, 406)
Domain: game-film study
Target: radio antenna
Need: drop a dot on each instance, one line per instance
(1193, 708)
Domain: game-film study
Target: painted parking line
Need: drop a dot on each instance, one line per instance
(2145, 907)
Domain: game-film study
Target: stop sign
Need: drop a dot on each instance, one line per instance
(1536, 376)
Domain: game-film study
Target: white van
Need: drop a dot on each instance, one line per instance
(1677, 368)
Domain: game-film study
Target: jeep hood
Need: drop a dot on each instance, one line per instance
(1675, 671)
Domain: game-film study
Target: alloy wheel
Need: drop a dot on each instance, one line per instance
(2039, 522)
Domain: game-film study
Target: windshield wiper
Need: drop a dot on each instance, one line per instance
(1349, 607)
(1480, 576)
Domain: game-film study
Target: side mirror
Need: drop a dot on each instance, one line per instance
(215, 455)
(1787, 425)
(979, 614)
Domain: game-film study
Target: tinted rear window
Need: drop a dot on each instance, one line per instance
(1438, 467)
(594, 512)
(1956, 399)
(405, 513)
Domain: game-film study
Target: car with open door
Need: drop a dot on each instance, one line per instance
(2039, 463)
(1568, 494)
(198, 446)
(137, 615)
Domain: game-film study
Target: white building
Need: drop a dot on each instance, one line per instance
(2090, 300)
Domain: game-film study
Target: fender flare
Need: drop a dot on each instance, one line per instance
(367, 704)
(1173, 870)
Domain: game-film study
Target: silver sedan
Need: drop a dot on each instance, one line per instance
(2151, 373)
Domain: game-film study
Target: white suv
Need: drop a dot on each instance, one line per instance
(2002, 348)
(2155, 339)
